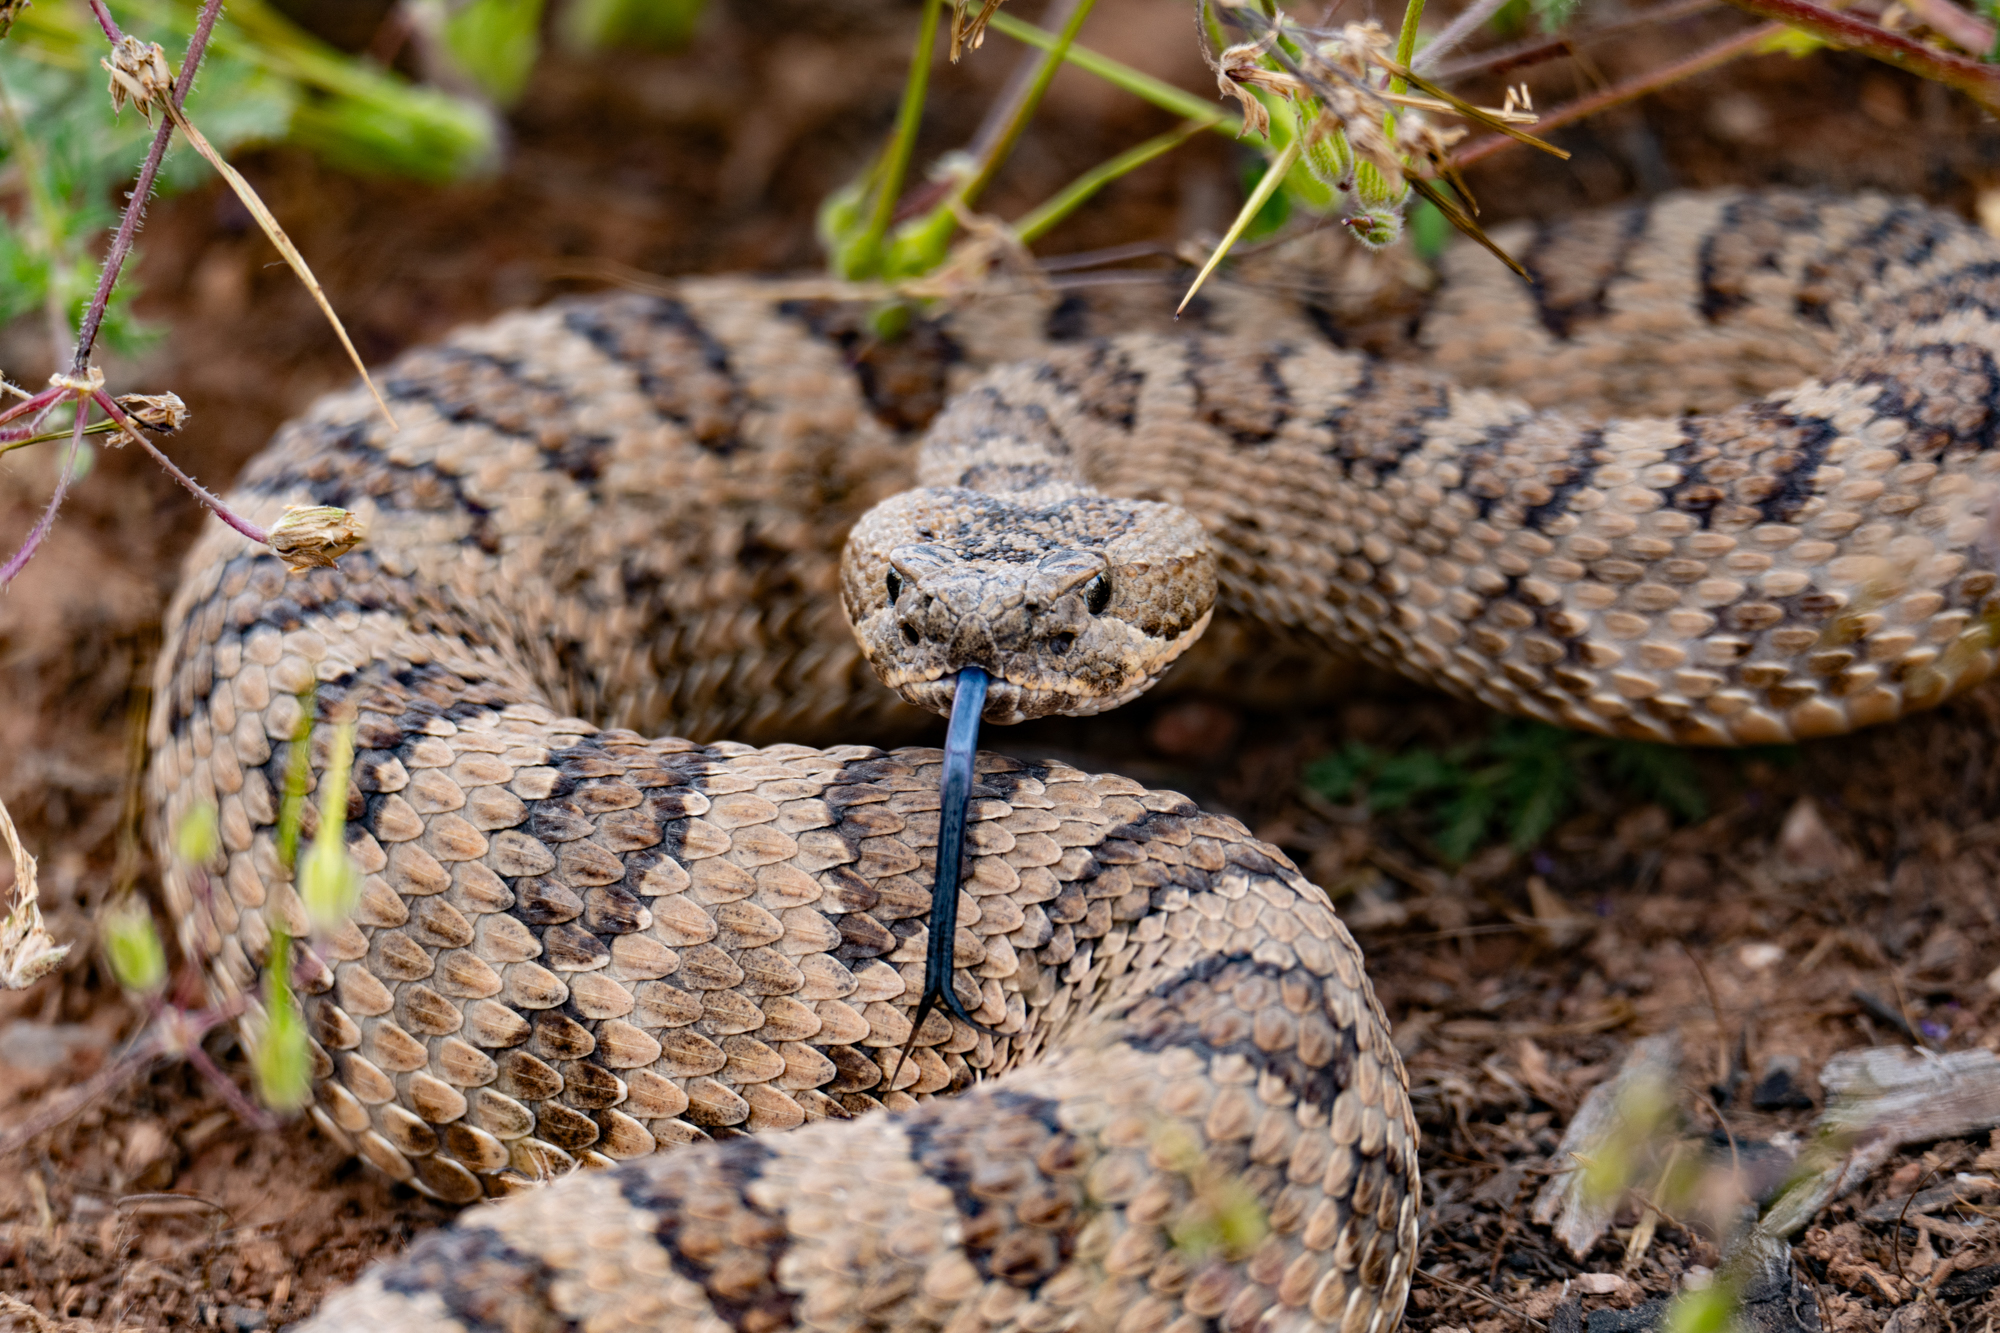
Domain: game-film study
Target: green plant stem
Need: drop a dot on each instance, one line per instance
(1002, 147)
(896, 163)
(1157, 91)
(1974, 78)
(1035, 224)
(1266, 187)
(95, 428)
(1406, 47)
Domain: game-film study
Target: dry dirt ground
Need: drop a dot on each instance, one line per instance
(1768, 934)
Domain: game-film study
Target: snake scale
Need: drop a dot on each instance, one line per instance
(1178, 1106)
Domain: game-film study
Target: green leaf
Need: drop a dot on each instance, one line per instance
(496, 42)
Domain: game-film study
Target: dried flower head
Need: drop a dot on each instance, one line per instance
(9, 11)
(163, 412)
(969, 34)
(27, 951)
(138, 70)
(1240, 68)
(315, 536)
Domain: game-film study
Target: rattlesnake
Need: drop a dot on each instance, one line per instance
(613, 516)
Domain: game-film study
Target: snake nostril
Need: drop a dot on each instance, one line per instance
(909, 634)
(1061, 643)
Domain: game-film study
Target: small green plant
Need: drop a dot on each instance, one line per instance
(264, 81)
(329, 884)
(1519, 780)
(132, 946)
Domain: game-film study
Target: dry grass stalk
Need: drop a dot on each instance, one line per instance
(143, 94)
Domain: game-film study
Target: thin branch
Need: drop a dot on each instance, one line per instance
(142, 190)
(106, 22)
(48, 518)
(1630, 90)
(196, 489)
(1976, 79)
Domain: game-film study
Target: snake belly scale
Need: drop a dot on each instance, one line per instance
(609, 518)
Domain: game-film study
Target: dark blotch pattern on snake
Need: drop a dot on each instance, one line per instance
(613, 517)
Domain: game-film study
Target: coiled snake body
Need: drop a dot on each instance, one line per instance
(1180, 1104)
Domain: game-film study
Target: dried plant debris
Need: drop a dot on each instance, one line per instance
(27, 951)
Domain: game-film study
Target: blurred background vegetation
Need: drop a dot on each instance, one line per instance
(421, 99)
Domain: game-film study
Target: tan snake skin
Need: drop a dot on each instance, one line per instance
(580, 945)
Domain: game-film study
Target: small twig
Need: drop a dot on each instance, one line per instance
(1467, 1289)
(222, 511)
(1630, 90)
(40, 531)
(246, 1110)
(1896, 1235)
(106, 22)
(1715, 1007)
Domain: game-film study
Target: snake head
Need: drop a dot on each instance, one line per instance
(1072, 606)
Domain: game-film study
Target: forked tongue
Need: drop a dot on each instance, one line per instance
(961, 745)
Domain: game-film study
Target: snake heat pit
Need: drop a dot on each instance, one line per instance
(613, 517)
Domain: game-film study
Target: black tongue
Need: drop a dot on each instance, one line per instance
(961, 744)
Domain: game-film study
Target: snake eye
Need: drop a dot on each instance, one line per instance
(1062, 643)
(1097, 594)
(894, 582)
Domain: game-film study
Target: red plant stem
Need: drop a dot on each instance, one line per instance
(246, 1110)
(1976, 79)
(135, 204)
(222, 511)
(38, 404)
(1651, 81)
(106, 22)
(48, 518)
